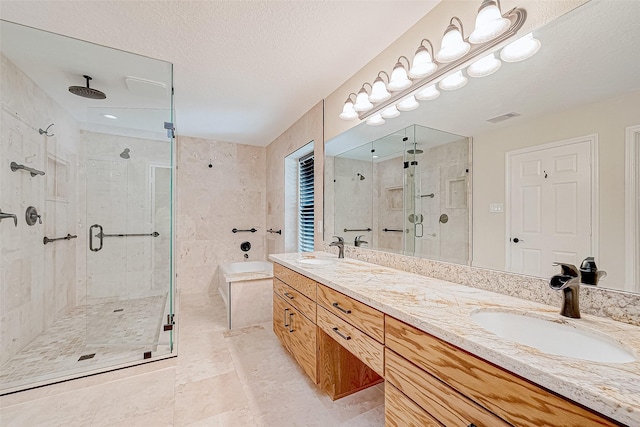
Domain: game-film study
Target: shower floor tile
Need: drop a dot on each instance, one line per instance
(117, 332)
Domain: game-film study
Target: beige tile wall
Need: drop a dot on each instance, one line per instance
(308, 128)
(213, 201)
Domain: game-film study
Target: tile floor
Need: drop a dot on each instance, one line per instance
(221, 378)
(114, 337)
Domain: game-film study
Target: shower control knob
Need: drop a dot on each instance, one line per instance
(31, 216)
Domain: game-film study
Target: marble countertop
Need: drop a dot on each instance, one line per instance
(443, 309)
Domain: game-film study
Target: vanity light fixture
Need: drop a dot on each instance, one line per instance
(391, 112)
(477, 53)
(521, 49)
(375, 120)
(362, 100)
(399, 78)
(423, 64)
(427, 93)
(453, 46)
(489, 22)
(485, 66)
(408, 104)
(379, 90)
(348, 112)
(454, 81)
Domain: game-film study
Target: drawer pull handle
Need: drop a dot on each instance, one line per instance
(346, 337)
(335, 304)
(285, 317)
(472, 425)
(291, 322)
(288, 295)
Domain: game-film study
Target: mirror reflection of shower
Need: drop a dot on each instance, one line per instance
(125, 154)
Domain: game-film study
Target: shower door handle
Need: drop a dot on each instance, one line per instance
(100, 235)
(415, 229)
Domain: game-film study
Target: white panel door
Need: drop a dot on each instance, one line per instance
(549, 207)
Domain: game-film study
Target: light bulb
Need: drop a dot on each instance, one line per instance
(428, 93)
(453, 46)
(489, 23)
(407, 104)
(390, 112)
(379, 91)
(375, 120)
(521, 49)
(348, 113)
(362, 101)
(399, 79)
(454, 81)
(484, 66)
(423, 64)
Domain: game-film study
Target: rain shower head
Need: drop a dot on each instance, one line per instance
(87, 92)
(125, 154)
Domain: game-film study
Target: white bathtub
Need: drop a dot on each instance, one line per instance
(246, 288)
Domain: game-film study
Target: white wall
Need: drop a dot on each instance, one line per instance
(608, 119)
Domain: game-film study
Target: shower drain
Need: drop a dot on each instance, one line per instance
(86, 356)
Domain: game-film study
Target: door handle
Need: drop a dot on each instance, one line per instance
(288, 295)
(516, 240)
(344, 337)
(336, 305)
(100, 235)
(290, 322)
(285, 318)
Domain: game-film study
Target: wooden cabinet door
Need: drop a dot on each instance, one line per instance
(400, 411)
(302, 341)
(281, 320)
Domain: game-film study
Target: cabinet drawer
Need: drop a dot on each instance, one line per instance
(510, 397)
(365, 318)
(357, 342)
(438, 399)
(296, 299)
(400, 411)
(297, 281)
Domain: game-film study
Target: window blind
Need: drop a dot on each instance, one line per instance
(305, 203)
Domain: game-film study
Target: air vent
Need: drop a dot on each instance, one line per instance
(503, 117)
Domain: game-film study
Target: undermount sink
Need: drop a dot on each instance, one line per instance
(317, 261)
(552, 336)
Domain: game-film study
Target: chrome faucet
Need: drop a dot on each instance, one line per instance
(340, 244)
(568, 281)
(359, 242)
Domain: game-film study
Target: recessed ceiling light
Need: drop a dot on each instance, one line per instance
(110, 116)
(374, 156)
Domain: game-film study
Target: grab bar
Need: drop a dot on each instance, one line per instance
(271, 230)
(356, 229)
(235, 230)
(46, 240)
(429, 195)
(34, 172)
(387, 230)
(102, 235)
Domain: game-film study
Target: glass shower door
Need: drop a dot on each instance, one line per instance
(128, 256)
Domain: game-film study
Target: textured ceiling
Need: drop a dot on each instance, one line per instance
(244, 71)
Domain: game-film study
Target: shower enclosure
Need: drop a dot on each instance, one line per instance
(86, 259)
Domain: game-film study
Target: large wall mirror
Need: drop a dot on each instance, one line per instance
(555, 142)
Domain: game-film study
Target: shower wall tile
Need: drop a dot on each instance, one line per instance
(37, 282)
(211, 201)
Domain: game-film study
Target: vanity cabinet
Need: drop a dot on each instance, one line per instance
(294, 317)
(458, 388)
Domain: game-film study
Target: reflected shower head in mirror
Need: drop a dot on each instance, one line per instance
(87, 92)
(359, 175)
(125, 154)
